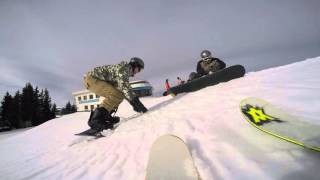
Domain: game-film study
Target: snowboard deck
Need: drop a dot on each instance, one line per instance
(223, 75)
(95, 133)
(90, 132)
(85, 138)
(170, 159)
(271, 120)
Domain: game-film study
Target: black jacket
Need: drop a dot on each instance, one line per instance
(212, 64)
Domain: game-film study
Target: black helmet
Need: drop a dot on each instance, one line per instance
(137, 62)
(205, 54)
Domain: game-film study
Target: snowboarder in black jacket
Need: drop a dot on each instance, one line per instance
(208, 64)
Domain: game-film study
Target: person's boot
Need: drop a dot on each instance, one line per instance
(114, 119)
(99, 119)
(111, 121)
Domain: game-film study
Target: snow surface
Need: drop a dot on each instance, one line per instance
(222, 143)
(7, 134)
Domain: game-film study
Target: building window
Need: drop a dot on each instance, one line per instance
(79, 98)
(91, 107)
(97, 96)
(84, 97)
(85, 107)
(90, 96)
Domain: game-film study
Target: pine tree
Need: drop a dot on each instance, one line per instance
(46, 106)
(36, 108)
(16, 116)
(53, 111)
(7, 110)
(26, 105)
(74, 108)
(67, 109)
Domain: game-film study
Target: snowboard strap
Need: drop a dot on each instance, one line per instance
(113, 112)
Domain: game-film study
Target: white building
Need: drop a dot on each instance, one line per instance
(87, 101)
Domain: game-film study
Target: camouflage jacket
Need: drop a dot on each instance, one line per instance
(116, 75)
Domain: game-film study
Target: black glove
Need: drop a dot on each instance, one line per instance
(137, 105)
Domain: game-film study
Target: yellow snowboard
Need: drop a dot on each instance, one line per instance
(276, 122)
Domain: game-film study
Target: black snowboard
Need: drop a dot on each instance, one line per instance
(90, 132)
(223, 75)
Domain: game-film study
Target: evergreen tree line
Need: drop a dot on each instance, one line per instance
(68, 109)
(30, 107)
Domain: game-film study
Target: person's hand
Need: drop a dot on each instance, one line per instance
(138, 106)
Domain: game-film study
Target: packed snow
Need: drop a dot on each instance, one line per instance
(223, 144)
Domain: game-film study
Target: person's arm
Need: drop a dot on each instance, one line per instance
(221, 63)
(137, 105)
(130, 96)
(122, 80)
(200, 70)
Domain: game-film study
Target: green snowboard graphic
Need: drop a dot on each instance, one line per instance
(276, 122)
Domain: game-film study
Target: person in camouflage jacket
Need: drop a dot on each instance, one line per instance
(112, 83)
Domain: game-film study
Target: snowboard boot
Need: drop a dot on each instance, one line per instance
(114, 119)
(111, 121)
(100, 119)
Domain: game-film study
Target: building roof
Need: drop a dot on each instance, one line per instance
(81, 92)
(138, 81)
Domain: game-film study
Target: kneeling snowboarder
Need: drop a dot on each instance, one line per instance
(210, 71)
(206, 65)
(112, 83)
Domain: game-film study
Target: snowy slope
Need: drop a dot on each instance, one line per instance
(223, 144)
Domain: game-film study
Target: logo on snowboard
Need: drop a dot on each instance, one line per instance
(257, 115)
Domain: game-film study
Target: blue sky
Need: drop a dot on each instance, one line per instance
(53, 43)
